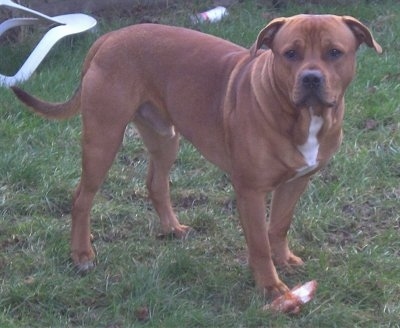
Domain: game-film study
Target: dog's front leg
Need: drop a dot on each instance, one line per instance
(251, 206)
(284, 200)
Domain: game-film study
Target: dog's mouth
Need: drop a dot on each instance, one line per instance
(313, 99)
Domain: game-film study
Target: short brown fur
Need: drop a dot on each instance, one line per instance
(248, 112)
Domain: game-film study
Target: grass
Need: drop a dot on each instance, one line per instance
(346, 227)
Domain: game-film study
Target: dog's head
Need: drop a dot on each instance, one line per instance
(314, 56)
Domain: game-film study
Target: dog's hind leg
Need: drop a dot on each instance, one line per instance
(163, 149)
(101, 139)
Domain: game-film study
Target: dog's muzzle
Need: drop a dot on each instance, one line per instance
(311, 89)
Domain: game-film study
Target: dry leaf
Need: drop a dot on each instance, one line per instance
(142, 313)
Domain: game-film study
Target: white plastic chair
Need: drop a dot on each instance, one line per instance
(64, 25)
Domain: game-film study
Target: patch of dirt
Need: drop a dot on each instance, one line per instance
(365, 221)
(12, 241)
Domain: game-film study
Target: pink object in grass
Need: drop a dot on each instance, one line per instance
(292, 301)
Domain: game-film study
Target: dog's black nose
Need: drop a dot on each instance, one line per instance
(311, 79)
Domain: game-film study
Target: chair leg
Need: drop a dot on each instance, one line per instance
(66, 25)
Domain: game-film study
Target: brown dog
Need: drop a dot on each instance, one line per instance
(269, 118)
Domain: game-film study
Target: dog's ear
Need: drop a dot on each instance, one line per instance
(267, 34)
(362, 33)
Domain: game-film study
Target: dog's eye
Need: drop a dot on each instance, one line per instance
(291, 54)
(334, 53)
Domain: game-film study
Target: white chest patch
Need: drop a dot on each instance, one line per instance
(310, 148)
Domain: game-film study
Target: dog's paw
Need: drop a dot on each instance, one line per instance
(288, 261)
(85, 267)
(275, 290)
(294, 260)
(179, 232)
(84, 262)
(182, 231)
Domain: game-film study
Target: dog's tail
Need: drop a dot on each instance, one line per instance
(56, 111)
(66, 109)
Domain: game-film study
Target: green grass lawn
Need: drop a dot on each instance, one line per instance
(346, 226)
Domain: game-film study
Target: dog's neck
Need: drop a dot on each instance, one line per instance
(305, 118)
(309, 149)
(313, 129)
(306, 139)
